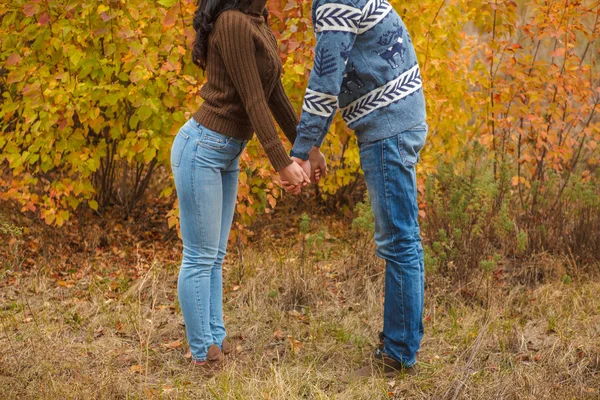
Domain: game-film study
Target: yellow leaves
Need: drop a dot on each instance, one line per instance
(139, 73)
(243, 177)
(167, 3)
(93, 204)
(149, 154)
(299, 69)
(102, 8)
(77, 86)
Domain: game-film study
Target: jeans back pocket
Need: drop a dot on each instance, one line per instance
(177, 149)
(410, 143)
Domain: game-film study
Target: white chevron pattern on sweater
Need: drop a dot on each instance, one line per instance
(401, 87)
(373, 12)
(319, 103)
(338, 17)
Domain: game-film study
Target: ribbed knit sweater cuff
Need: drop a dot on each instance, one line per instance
(278, 157)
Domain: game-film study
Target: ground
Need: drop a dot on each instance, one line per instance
(299, 320)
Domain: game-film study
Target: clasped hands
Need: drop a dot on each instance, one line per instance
(302, 172)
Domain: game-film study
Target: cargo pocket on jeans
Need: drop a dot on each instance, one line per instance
(410, 143)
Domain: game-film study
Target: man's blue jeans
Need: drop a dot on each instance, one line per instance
(389, 168)
(205, 167)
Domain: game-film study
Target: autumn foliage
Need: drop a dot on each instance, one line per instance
(93, 92)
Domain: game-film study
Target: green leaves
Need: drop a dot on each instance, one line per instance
(93, 83)
(144, 112)
(87, 87)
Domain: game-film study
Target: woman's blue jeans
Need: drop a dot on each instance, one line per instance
(205, 167)
(389, 168)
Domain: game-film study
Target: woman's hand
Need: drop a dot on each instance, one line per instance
(293, 178)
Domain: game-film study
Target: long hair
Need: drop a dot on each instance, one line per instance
(204, 21)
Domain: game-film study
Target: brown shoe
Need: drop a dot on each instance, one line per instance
(382, 365)
(226, 346)
(214, 354)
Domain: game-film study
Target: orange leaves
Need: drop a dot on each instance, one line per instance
(13, 59)
(560, 52)
(120, 76)
(136, 369)
(31, 8)
(295, 344)
(516, 181)
(170, 18)
(172, 345)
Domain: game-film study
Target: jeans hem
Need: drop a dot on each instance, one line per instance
(410, 364)
(406, 364)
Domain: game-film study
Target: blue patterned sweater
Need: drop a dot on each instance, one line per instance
(365, 65)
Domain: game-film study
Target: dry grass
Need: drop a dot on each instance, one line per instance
(297, 331)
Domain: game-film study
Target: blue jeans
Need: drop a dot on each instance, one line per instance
(205, 167)
(389, 168)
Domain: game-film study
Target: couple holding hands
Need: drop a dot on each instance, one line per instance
(365, 65)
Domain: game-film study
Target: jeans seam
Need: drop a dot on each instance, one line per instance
(207, 146)
(198, 300)
(394, 239)
(212, 319)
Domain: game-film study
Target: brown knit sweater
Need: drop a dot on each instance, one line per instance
(244, 86)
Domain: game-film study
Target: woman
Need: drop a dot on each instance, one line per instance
(239, 54)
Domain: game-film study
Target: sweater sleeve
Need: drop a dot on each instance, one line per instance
(236, 46)
(284, 112)
(336, 23)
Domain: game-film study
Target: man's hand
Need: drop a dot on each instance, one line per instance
(318, 164)
(294, 177)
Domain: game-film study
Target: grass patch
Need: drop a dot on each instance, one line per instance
(297, 328)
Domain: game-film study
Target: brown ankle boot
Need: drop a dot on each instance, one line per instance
(214, 355)
(226, 346)
(382, 365)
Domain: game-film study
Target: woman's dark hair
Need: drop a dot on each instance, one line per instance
(204, 21)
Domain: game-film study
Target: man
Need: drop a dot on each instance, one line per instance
(365, 63)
